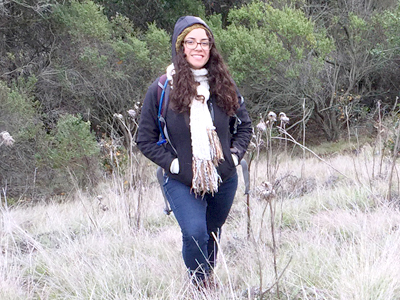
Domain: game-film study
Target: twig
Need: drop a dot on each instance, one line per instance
(304, 136)
(277, 280)
(394, 158)
(274, 245)
(225, 265)
(305, 148)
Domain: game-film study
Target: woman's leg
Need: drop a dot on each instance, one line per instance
(217, 211)
(190, 212)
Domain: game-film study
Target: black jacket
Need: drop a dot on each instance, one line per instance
(179, 134)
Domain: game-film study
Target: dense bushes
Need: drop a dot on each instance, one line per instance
(39, 163)
(67, 68)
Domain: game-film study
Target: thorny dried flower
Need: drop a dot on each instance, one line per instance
(283, 118)
(261, 126)
(118, 116)
(137, 106)
(272, 116)
(101, 205)
(252, 146)
(6, 138)
(132, 113)
(266, 190)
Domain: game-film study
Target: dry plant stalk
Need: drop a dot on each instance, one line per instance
(270, 123)
(129, 127)
(393, 165)
(267, 190)
(304, 136)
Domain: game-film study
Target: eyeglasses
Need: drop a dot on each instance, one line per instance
(192, 44)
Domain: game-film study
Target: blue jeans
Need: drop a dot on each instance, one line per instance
(200, 218)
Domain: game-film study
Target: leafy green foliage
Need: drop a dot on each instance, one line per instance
(72, 144)
(159, 45)
(355, 65)
(18, 116)
(142, 13)
(103, 75)
(268, 49)
(39, 163)
(132, 48)
(92, 59)
(18, 101)
(83, 18)
(71, 155)
(261, 38)
(390, 20)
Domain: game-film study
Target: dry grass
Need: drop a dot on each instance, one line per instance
(336, 235)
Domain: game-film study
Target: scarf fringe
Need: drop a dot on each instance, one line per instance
(205, 177)
(215, 147)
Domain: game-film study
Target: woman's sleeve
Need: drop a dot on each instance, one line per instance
(241, 138)
(149, 132)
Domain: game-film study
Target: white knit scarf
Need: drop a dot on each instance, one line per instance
(206, 146)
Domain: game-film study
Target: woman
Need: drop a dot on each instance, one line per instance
(201, 156)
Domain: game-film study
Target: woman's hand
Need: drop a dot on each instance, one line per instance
(174, 168)
(235, 159)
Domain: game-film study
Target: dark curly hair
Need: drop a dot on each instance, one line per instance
(219, 79)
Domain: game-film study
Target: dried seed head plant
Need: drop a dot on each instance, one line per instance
(284, 121)
(133, 170)
(266, 190)
(271, 117)
(6, 139)
(261, 126)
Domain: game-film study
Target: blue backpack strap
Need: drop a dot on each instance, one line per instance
(162, 84)
(163, 99)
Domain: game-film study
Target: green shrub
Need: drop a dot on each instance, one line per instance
(41, 163)
(159, 45)
(18, 116)
(74, 152)
(273, 54)
(83, 19)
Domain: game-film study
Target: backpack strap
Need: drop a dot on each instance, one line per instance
(235, 121)
(162, 86)
(163, 99)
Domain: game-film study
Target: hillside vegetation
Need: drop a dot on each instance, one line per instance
(81, 210)
(71, 70)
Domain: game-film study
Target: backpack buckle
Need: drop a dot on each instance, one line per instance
(161, 142)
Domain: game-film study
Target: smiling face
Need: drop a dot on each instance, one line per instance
(197, 57)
